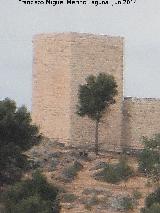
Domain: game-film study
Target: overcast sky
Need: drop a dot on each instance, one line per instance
(138, 23)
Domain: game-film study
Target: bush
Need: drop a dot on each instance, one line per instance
(17, 135)
(155, 208)
(30, 196)
(148, 161)
(152, 202)
(69, 198)
(137, 194)
(114, 173)
(127, 203)
(71, 171)
(149, 158)
(53, 164)
(99, 165)
(153, 198)
(123, 203)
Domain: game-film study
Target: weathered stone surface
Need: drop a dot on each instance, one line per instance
(141, 117)
(61, 63)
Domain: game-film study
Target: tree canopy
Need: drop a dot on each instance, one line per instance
(96, 96)
(17, 135)
(34, 195)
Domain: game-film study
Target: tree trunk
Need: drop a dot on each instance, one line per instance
(96, 138)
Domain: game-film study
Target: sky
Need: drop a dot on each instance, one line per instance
(138, 23)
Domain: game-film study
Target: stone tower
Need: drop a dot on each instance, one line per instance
(61, 63)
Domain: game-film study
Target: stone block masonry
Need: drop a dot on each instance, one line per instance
(61, 63)
(141, 117)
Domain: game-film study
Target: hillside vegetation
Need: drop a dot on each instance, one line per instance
(109, 182)
(42, 175)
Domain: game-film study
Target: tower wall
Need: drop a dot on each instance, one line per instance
(141, 118)
(51, 85)
(91, 54)
(61, 64)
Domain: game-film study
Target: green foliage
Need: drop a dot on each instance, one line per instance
(30, 196)
(95, 97)
(149, 158)
(69, 198)
(92, 201)
(123, 203)
(97, 94)
(137, 194)
(153, 198)
(152, 203)
(114, 173)
(127, 203)
(71, 171)
(152, 143)
(17, 134)
(155, 208)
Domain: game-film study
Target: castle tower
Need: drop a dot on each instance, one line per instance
(62, 62)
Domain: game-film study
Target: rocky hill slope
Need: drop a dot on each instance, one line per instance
(73, 170)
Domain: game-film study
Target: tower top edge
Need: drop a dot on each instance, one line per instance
(137, 99)
(76, 35)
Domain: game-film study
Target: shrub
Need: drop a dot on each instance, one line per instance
(152, 202)
(53, 164)
(91, 201)
(114, 173)
(71, 171)
(69, 198)
(149, 158)
(153, 198)
(123, 203)
(137, 194)
(17, 135)
(30, 196)
(127, 203)
(155, 208)
(99, 165)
